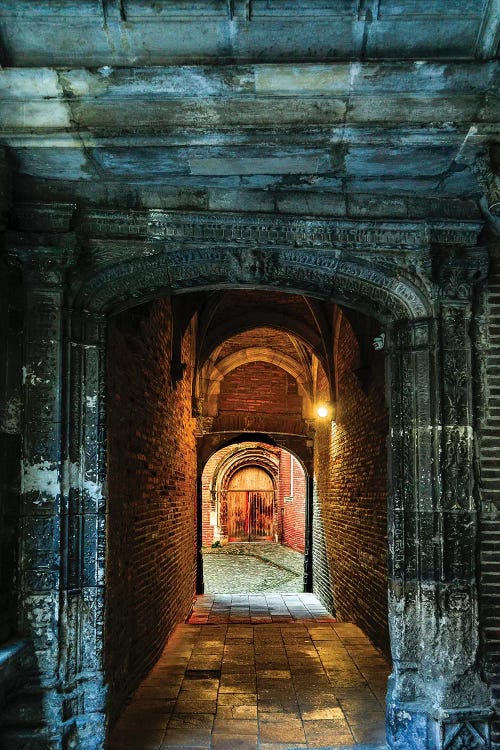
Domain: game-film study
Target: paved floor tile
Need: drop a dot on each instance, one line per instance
(305, 681)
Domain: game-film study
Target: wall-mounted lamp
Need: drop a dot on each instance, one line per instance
(325, 410)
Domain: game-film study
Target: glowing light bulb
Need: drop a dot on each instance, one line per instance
(322, 411)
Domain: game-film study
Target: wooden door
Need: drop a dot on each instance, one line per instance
(237, 515)
(260, 514)
(250, 506)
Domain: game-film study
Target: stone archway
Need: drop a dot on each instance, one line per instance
(436, 696)
(238, 459)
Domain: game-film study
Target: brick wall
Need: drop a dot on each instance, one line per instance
(206, 481)
(259, 387)
(351, 496)
(490, 480)
(292, 511)
(152, 490)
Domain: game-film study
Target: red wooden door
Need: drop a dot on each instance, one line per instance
(250, 506)
(237, 515)
(260, 514)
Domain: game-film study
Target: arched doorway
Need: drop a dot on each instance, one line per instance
(432, 587)
(250, 501)
(250, 505)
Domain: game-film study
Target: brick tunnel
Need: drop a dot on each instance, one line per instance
(203, 385)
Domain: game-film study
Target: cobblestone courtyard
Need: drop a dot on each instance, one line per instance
(250, 567)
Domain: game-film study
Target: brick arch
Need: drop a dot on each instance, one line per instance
(216, 372)
(264, 319)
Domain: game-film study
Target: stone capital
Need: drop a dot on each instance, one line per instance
(460, 270)
(42, 258)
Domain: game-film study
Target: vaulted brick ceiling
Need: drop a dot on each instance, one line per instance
(244, 327)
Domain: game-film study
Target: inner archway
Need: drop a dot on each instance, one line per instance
(306, 397)
(254, 518)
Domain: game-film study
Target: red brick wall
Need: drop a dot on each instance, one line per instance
(152, 488)
(292, 513)
(206, 480)
(259, 387)
(351, 478)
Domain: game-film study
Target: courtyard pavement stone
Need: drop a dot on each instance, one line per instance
(252, 567)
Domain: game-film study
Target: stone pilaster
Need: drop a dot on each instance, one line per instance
(83, 520)
(35, 715)
(437, 698)
(413, 488)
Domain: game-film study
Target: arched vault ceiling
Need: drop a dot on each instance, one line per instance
(287, 322)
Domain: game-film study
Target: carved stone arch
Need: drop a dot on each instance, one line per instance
(297, 445)
(432, 576)
(245, 455)
(242, 456)
(363, 285)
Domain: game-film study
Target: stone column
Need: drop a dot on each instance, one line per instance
(34, 718)
(436, 700)
(10, 418)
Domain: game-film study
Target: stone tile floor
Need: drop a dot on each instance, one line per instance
(227, 682)
(263, 607)
(252, 567)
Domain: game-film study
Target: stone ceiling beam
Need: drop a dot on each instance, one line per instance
(327, 94)
(121, 32)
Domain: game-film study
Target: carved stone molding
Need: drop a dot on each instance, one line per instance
(204, 425)
(255, 230)
(245, 229)
(489, 182)
(460, 270)
(382, 294)
(464, 734)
